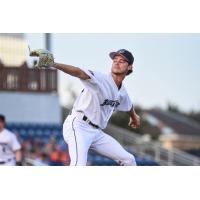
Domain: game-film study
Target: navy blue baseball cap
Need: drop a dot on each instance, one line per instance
(124, 53)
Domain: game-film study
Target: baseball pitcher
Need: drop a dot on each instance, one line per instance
(102, 95)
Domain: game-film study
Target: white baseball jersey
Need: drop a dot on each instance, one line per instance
(100, 98)
(8, 145)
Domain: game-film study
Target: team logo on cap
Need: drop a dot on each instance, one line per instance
(121, 51)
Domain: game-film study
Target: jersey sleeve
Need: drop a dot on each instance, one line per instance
(94, 81)
(125, 103)
(15, 145)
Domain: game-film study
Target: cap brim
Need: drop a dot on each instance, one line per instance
(113, 54)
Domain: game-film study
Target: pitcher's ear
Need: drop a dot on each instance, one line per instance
(130, 67)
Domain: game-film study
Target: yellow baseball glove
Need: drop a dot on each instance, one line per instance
(46, 59)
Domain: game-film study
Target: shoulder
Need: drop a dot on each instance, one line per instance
(9, 133)
(95, 74)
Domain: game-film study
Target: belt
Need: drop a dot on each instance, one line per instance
(3, 162)
(89, 122)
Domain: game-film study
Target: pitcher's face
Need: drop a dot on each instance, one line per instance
(120, 65)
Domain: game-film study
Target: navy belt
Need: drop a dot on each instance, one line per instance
(89, 122)
(3, 162)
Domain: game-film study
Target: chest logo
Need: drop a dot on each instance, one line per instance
(110, 103)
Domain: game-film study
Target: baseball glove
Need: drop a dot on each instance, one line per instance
(46, 59)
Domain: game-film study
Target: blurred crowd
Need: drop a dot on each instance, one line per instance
(38, 152)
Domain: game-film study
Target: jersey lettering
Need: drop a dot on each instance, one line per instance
(110, 103)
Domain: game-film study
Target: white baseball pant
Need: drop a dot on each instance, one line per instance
(80, 137)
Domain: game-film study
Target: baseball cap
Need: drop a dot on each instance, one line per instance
(124, 53)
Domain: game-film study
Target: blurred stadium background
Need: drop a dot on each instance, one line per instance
(29, 99)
